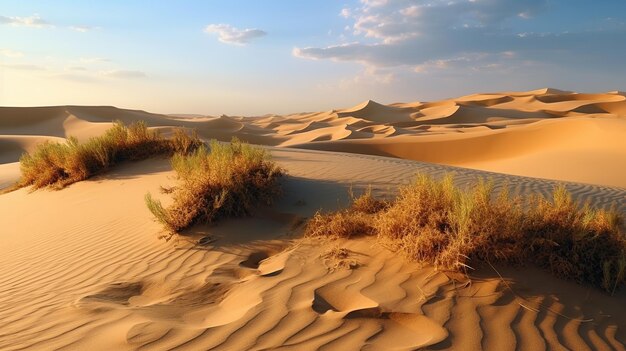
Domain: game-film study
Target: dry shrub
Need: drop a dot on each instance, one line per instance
(354, 221)
(60, 164)
(341, 224)
(229, 180)
(435, 222)
(366, 202)
(583, 244)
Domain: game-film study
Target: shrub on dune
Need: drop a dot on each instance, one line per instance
(435, 222)
(60, 164)
(583, 244)
(227, 180)
(351, 222)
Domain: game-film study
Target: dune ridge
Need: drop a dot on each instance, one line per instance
(545, 133)
(85, 268)
(102, 277)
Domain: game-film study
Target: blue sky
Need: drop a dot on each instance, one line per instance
(255, 57)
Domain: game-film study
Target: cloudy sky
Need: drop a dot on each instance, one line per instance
(255, 57)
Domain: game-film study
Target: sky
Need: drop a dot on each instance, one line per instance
(257, 57)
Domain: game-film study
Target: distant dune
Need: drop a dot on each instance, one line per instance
(84, 268)
(545, 133)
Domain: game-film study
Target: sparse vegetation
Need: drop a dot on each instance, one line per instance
(338, 258)
(366, 203)
(341, 224)
(227, 180)
(353, 221)
(435, 222)
(60, 164)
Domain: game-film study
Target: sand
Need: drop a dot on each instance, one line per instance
(85, 268)
(544, 133)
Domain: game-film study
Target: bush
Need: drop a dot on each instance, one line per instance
(435, 222)
(367, 203)
(227, 180)
(60, 164)
(351, 222)
(341, 224)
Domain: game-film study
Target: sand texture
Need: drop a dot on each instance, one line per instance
(543, 133)
(84, 268)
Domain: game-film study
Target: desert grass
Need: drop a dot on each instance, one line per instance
(435, 222)
(225, 180)
(57, 164)
(353, 221)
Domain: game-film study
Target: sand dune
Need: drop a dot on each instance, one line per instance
(91, 271)
(545, 133)
(84, 268)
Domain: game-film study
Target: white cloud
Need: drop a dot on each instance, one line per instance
(423, 36)
(231, 35)
(124, 74)
(23, 67)
(345, 13)
(373, 3)
(374, 75)
(84, 75)
(475, 62)
(368, 78)
(82, 29)
(93, 59)
(10, 53)
(77, 77)
(31, 21)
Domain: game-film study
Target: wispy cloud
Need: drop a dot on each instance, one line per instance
(77, 77)
(88, 60)
(230, 35)
(124, 74)
(10, 53)
(33, 21)
(23, 66)
(84, 75)
(82, 29)
(76, 68)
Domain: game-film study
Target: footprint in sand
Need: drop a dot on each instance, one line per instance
(413, 330)
(266, 263)
(117, 293)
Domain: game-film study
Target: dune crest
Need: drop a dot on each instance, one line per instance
(84, 268)
(91, 273)
(545, 133)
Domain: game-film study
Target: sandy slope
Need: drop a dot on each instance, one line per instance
(83, 268)
(545, 133)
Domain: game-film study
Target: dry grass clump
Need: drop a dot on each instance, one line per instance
(354, 221)
(60, 164)
(583, 244)
(341, 224)
(435, 222)
(366, 203)
(227, 180)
